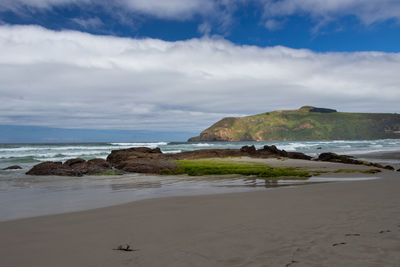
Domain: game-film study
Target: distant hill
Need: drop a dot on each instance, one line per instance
(306, 123)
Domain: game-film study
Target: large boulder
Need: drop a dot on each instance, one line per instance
(118, 156)
(274, 151)
(72, 167)
(140, 165)
(94, 166)
(53, 168)
(332, 157)
(298, 155)
(206, 153)
(248, 149)
(72, 162)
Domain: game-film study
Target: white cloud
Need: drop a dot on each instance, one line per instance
(220, 14)
(88, 23)
(367, 11)
(272, 24)
(204, 28)
(216, 14)
(169, 9)
(74, 79)
(41, 4)
(176, 9)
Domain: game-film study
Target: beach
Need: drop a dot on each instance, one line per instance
(352, 223)
(199, 133)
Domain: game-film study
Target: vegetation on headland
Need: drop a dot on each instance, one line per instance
(306, 123)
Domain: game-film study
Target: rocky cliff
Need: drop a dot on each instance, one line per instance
(306, 123)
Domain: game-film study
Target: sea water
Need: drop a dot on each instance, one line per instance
(25, 196)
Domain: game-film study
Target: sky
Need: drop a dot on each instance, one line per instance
(181, 65)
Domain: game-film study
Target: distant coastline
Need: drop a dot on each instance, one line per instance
(307, 123)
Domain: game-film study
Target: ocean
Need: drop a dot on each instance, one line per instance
(26, 196)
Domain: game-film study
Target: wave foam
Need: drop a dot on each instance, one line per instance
(203, 145)
(149, 144)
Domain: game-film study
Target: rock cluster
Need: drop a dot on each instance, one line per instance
(147, 160)
(332, 157)
(140, 160)
(282, 153)
(72, 167)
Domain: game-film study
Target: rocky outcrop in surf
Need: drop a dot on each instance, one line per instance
(13, 167)
(72, 167)
(332, 157)
(147, 160)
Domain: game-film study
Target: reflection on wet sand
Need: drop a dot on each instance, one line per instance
(136, 185)
(27, 196)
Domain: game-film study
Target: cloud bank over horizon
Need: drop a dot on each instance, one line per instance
(72, 79)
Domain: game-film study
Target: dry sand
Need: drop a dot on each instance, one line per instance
(330, 224)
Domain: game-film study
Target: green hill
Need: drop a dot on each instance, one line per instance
(306, 123)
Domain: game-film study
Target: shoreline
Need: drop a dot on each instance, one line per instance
(328, 179)
(320, 180)
(303, 226)
(92, 192)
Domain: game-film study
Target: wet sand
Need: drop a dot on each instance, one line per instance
(330, 224)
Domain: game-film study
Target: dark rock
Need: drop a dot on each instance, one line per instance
(147, 166)
(118, 156)
(388, 167)
(147, 160)
(72, 167)
(13, 167)
(398, 170)
(53, 168)
(274, 151)
(298, 155)
(99, 162)
(248, 149)
(332, 157)
(268, 151)
(72, 162)
(328, 156)
(206, 153)
(94, 166)
(319, 147)
(377, 165)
